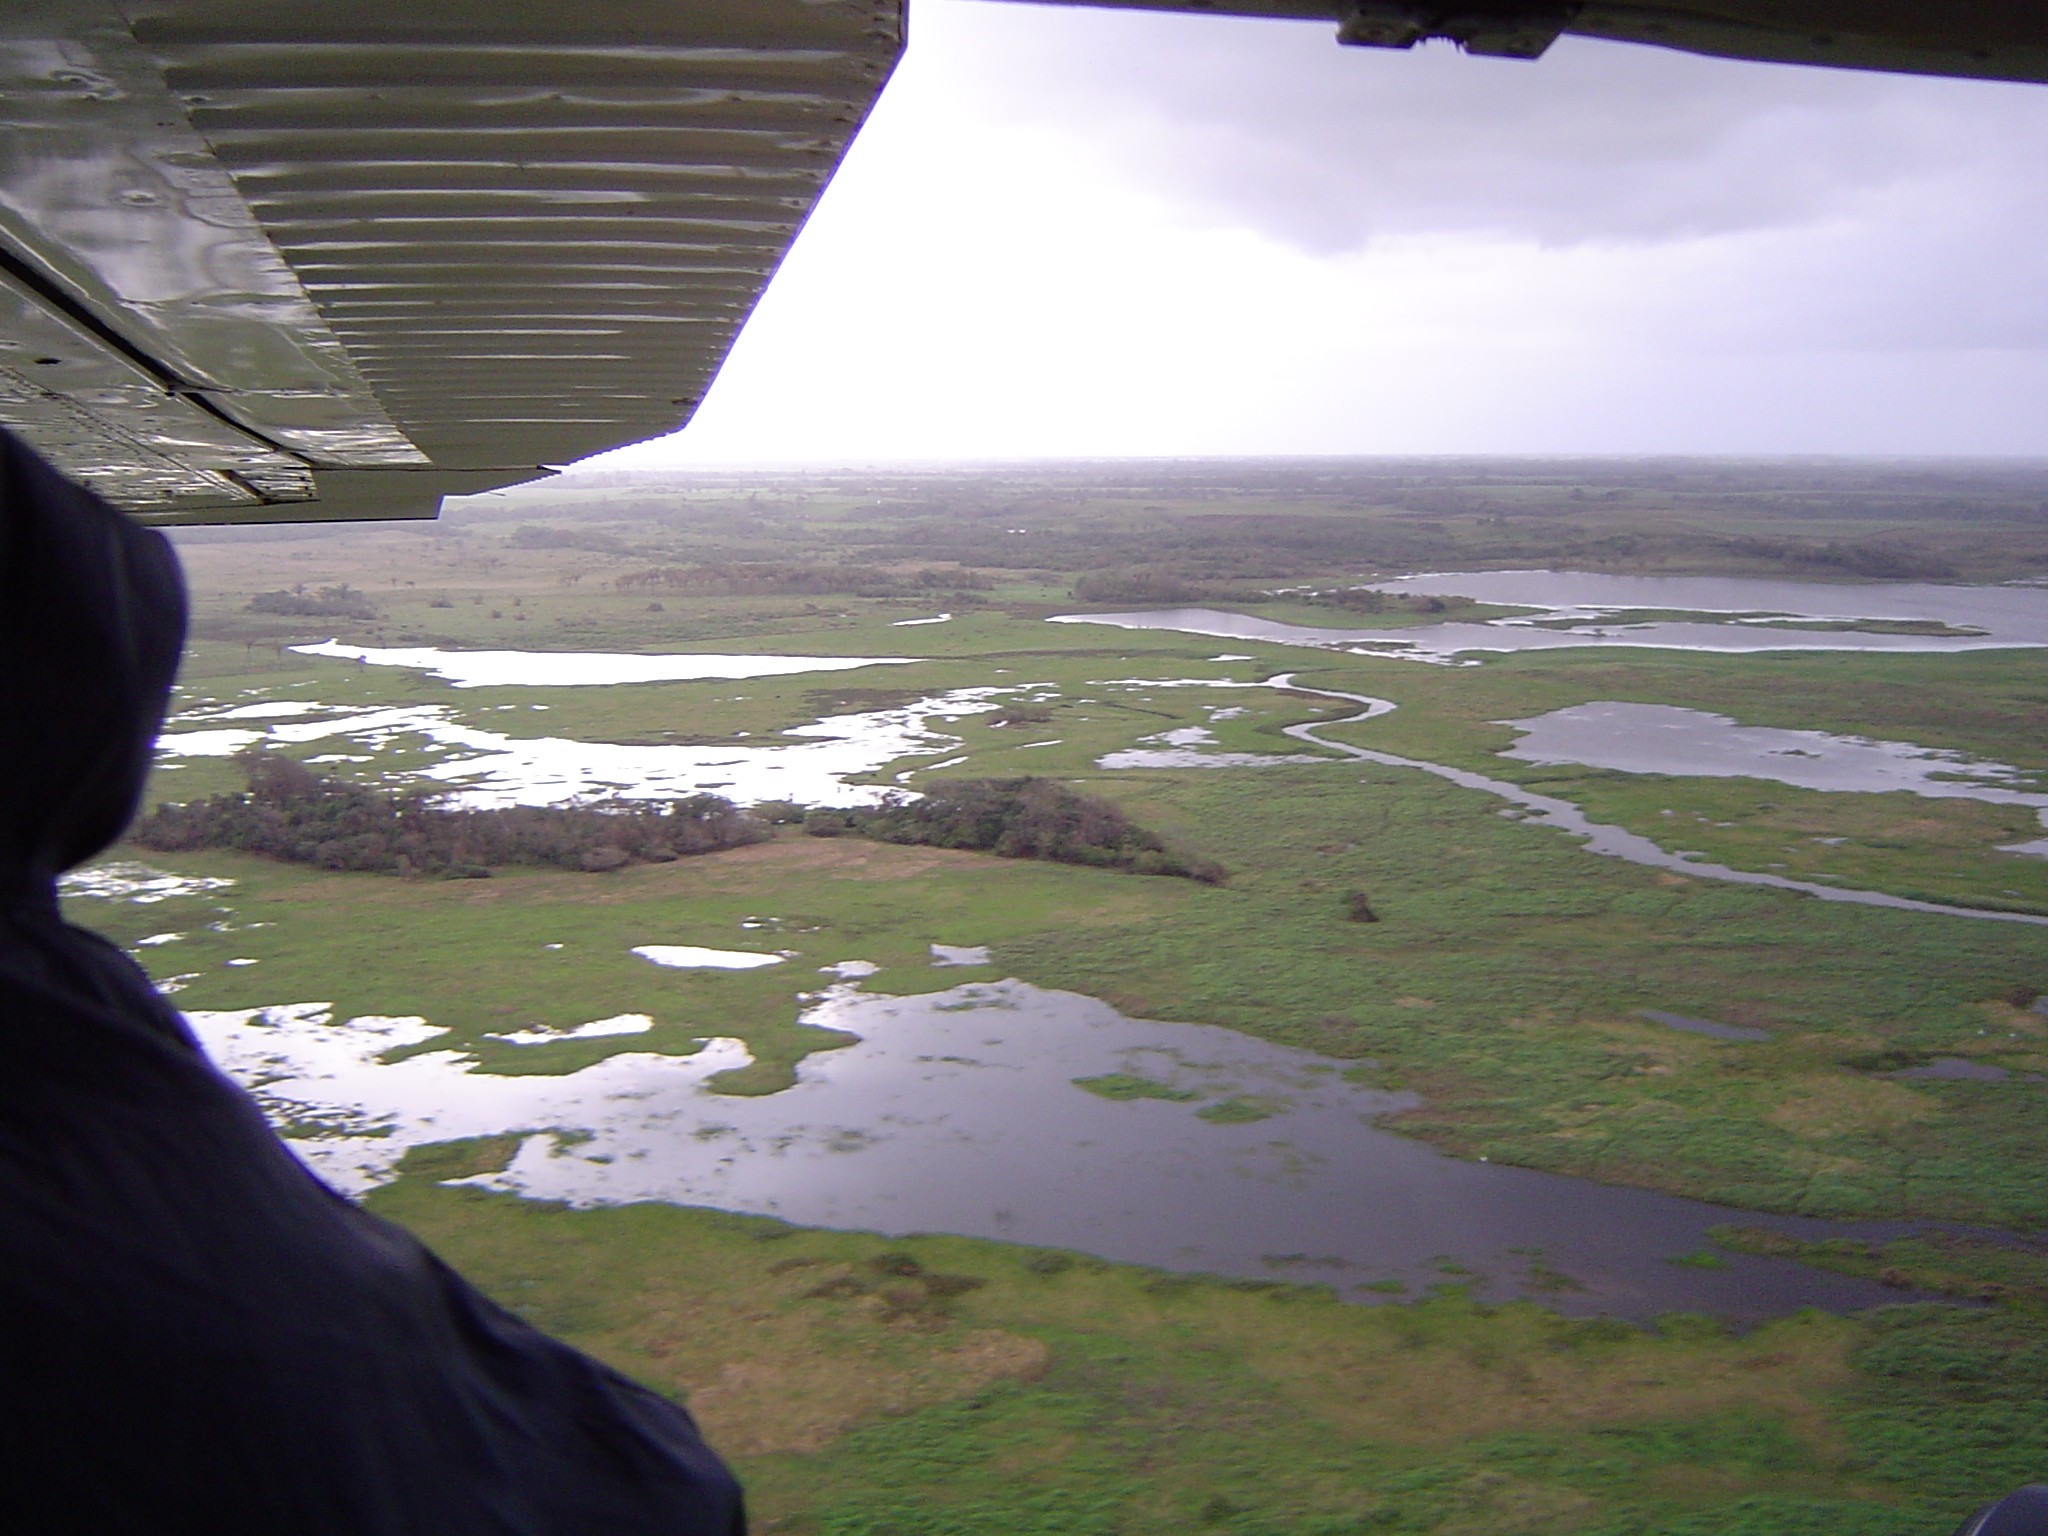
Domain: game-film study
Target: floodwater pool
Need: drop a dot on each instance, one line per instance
(1665, 739)
(1003, 1110)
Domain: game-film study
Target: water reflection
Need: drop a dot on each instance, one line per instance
(962, 1111)
(125, 880)
(489, 768)
(1195, 746)
(585, 669)
(696, 957)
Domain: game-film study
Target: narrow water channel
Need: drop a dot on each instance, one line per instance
(1613, 842)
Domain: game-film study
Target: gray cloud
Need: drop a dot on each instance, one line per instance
(1036, 250)
(1273, 127)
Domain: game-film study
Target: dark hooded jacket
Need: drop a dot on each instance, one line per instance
(195, 1333)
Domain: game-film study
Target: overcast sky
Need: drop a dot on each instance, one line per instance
(1068, 232)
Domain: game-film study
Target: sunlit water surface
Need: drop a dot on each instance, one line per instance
(487, 768)
(586, 669)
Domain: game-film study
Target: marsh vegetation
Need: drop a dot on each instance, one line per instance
(947, 1387)
(866, 1384)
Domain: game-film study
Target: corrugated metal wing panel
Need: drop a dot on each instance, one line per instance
(260, 241)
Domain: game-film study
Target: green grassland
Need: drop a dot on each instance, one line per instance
(936, 1386)
(1990, 705)
(1504, 980)
(941, 1385)
(473, 956)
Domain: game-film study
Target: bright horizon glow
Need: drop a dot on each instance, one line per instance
(1073, 234)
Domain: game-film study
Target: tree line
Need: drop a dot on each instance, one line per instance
(293, 814)
(761, 578)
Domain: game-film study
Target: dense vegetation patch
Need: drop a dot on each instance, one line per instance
(1026, 818)
(772, 578)
(291, 813)
(1162, 585)
(339, 601)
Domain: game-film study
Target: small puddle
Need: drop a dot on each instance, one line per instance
(123, 880)
(596, 1029)
(1194, 746)
(694, 957)
(1705, 1027)
(1188, 757)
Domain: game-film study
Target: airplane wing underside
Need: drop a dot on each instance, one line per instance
(271, 260)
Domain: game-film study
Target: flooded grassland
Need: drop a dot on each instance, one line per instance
(1506, 978)
(589, 1039)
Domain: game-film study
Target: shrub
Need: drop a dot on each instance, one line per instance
(1024, 818)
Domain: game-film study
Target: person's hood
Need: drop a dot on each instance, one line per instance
(92, 619)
